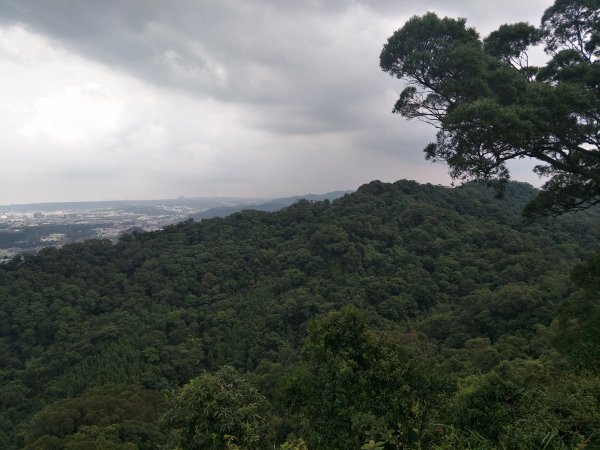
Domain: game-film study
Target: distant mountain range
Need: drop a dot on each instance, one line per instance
(199, 203)
(271, 205)
(208, 206)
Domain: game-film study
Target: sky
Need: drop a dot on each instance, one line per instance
(149, 99)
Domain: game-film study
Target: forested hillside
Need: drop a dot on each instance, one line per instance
(399, 316)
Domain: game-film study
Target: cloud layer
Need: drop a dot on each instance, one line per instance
(122, 99)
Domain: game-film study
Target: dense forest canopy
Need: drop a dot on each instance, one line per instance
(491, 106)
(399, 316)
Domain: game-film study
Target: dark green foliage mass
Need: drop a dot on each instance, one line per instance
(357, 383)
(579, 318)
(491, 106)
(412, 316)
(115, 416)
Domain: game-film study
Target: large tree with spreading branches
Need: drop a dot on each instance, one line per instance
(491, 106)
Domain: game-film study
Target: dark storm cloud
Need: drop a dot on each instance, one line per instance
(185, 44)
(244, 52)
(308, 58)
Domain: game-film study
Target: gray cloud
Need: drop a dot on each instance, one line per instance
(242, 50)
(297, 74)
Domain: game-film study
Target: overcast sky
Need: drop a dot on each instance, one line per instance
(142, 99)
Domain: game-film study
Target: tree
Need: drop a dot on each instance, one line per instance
(357, 385)
(330, 389)
(490, 106)
(525, 404)
(577, 335)
(216, 408)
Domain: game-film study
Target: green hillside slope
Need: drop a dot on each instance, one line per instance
(411, 315)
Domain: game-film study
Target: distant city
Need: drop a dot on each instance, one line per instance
(29, 228)
(32, 227)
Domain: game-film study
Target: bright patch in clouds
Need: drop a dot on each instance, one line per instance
(76, 130)
(74, 114)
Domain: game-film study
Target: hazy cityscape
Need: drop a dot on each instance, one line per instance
(28, 228)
